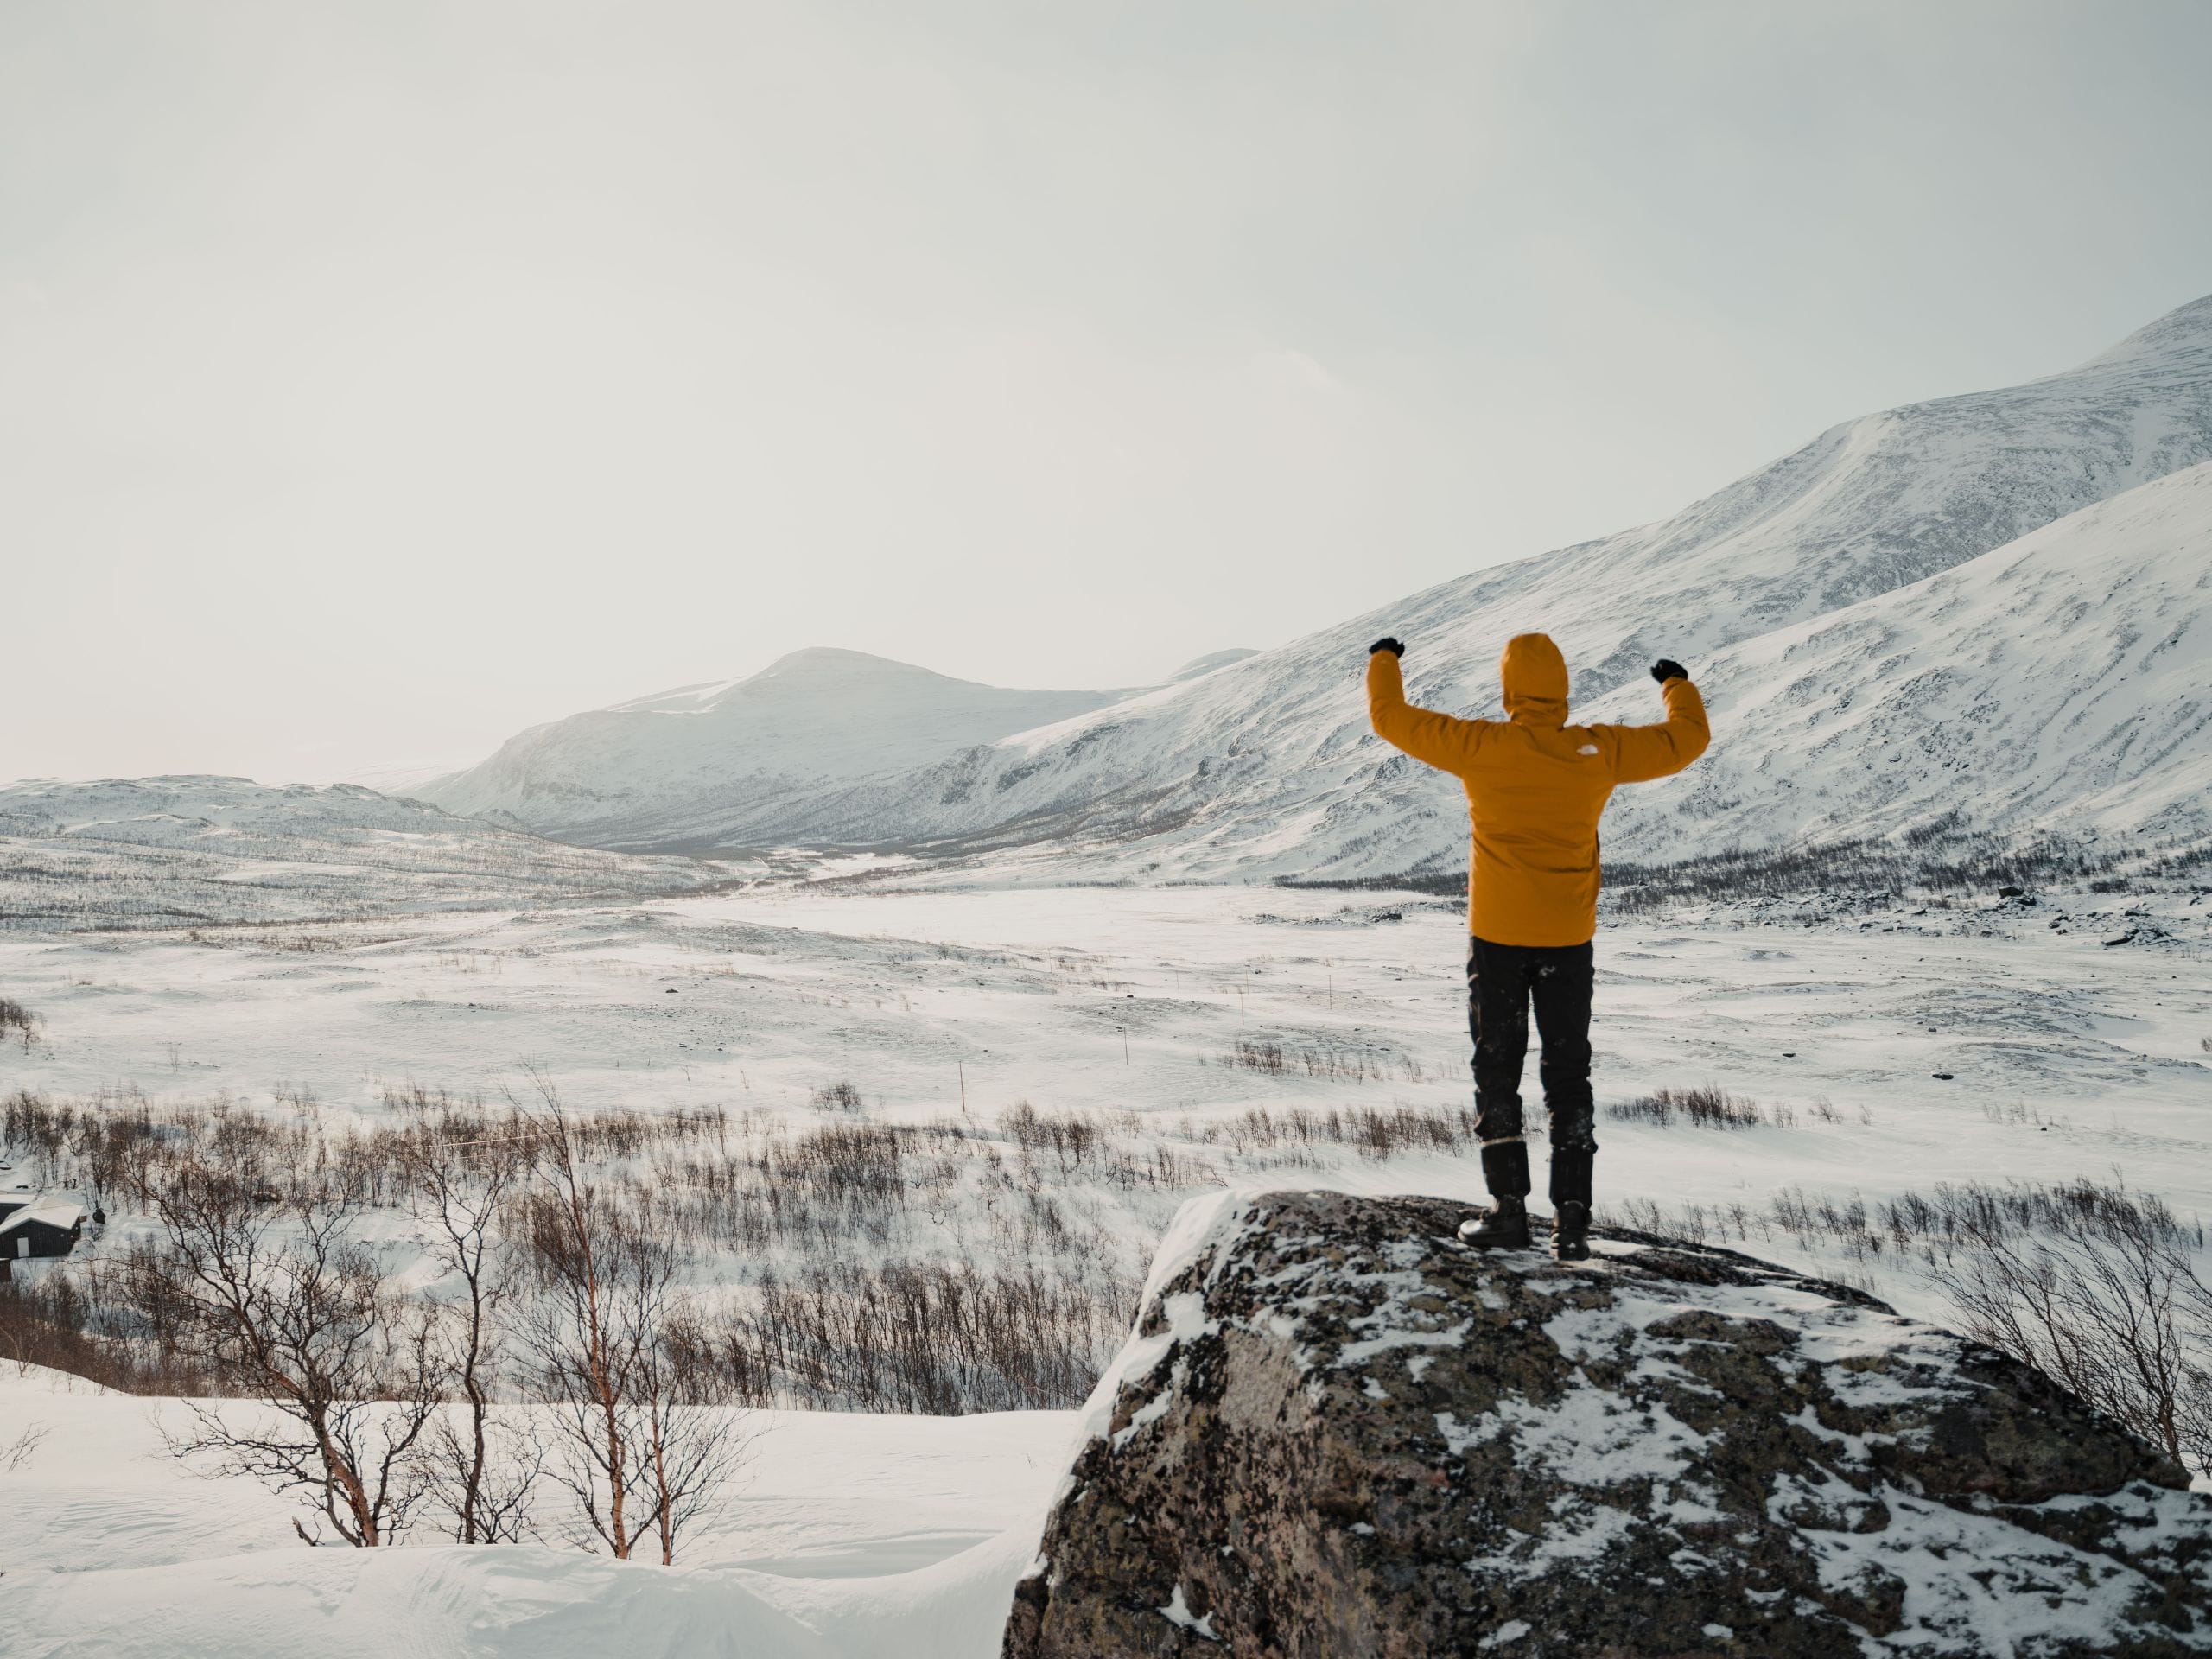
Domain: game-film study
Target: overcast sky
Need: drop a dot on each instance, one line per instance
(377, 379)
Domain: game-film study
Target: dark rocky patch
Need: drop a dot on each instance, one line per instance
(1339, 1432)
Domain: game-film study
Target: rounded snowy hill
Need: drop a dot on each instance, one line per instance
(662, 770)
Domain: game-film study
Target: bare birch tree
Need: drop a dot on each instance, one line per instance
(279, 1302)
(695, 1445)
(482, 1473)
(639, 1452)
(586, 1352)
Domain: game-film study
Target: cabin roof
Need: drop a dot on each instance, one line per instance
(52, 1210)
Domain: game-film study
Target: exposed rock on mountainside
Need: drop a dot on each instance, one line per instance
(667, 771)
(1339, 1432)
(1266, 766)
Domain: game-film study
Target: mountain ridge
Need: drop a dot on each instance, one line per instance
(634, 773)
(1266, 765)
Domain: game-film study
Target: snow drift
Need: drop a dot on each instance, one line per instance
(847, 1541)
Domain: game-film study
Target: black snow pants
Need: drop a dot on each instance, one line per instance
(1503, 980)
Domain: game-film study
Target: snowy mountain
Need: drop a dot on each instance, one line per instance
(166, 852)
(2062, 681)
(666, 770)
(1266, 765)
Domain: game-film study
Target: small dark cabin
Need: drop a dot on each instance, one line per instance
(45, 1225)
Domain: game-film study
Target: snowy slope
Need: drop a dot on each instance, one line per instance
(159, 852)
(1210, 662)
(2064, 680)
(1268, 765)
(398, 780)
(659, 770)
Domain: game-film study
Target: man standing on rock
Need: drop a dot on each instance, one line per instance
(1535, 789)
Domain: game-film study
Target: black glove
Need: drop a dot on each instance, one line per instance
(1668, 669)
(1395, 647)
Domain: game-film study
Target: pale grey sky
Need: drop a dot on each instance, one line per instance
(379, 378)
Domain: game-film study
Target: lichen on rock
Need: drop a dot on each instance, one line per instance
(1338, 1431)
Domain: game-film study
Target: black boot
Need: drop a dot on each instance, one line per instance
(1571, 1232)
(1505, 1171)
(1505, 1228)
(1571, 1176)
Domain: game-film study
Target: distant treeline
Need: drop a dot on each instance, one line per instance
(1938, 858)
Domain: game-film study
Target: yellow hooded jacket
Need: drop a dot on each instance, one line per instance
(1535, 785)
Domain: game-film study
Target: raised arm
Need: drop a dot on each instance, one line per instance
(1642, 753)
(1440, 740)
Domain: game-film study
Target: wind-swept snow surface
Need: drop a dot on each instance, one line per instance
(169, 852)
(1197, 667)
(1266, 766)
(861, 1537)
(667, 771)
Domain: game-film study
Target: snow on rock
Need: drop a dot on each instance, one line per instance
(1339, 1430)
(692, 767)
(1266, 766)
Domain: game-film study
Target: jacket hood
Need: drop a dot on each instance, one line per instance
(1533, 675)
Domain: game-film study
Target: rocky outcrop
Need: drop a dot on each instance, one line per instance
(1338, 1431)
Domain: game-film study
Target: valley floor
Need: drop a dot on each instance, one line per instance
(1887, 1050)
(1981, 1042)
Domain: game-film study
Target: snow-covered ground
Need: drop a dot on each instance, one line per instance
(877, 1535)
(171, 852)
(1134, 999)
(1889, 1047)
